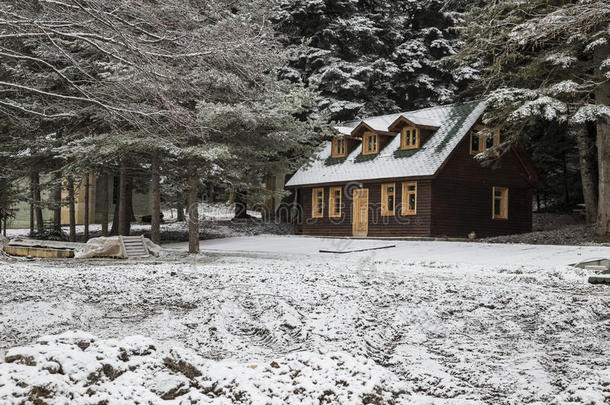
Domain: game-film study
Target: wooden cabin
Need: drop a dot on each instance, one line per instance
(430, 172)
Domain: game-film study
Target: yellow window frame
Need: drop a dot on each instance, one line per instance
(336, 150)
(385, 211)
(409, 134)
(406, 194)
(334, 202)
(317, 201)
(503, 199)
(475, 132)
(374, 140)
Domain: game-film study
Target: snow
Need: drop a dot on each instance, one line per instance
(546, 107)
(561, 59)
(454, 253)
(268, 319)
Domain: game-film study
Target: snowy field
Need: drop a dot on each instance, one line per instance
(269, 320)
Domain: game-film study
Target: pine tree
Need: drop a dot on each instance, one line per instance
(372, 57)
(548, 61)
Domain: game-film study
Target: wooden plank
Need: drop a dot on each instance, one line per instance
(356, 250)
(44, 253)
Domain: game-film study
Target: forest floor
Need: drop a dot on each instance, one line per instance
(269, 319)
(552, 229)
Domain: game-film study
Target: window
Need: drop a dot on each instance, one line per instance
(338, 147)
(370, 143)
(334, 202)
(409, 138)
(409, 198)
(499, 203)
(317, 202)
(388, 199)
(480, 141)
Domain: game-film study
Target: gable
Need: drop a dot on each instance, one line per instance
(453, 122)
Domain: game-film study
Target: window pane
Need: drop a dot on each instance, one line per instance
(390, 203)
(475, 141)
(498, 193)
(411, 202)
(411, 188)
(497, 206)
(489, 142)
(337, 206)
(390, 189)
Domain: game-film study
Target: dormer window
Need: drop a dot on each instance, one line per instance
(338, 147)
(370, 143)
(409, 138)
(480, 141)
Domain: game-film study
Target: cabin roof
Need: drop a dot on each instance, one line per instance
(453, 122)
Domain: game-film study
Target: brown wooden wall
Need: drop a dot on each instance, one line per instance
(462, 196)
(396, 225)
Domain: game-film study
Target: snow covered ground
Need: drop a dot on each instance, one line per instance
(268, 319)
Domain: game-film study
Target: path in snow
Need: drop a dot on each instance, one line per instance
(476, 329)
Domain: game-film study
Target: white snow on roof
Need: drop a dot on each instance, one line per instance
(344, 130)
(454, 122)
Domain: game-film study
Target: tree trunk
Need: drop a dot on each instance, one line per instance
(115, 200)
(193, 207)
(87, 188)
(211, 194)
(32, 203)
(57, 203)
(71, 209)
(602, 96)
(586, 155)
(180, 207)
(566, 182)
(123, 215)
(105, 191)
(241, 210)
(130, 212)
(155, 223)
(37, 201)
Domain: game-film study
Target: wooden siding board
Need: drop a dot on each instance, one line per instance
(396, 225)
(462, 196)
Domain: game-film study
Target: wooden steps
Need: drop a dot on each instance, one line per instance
(134, 246)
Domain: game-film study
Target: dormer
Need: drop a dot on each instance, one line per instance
(483, 138)
(370, 143)
(409, 138)
(412, 135)
(373, 141)
(342, 144)
(338, 147)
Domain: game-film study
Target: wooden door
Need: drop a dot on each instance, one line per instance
(360, 212)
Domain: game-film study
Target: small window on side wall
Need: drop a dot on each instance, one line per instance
(334, 202)
(409, 138)
(409, 198)
(317, 202)
(481, 140)
(499, 203)
(388, 199)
